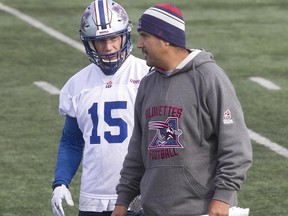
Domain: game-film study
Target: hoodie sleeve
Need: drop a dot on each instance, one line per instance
(234, 145)
(133, 167)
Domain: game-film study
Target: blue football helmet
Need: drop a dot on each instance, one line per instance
(103, 19)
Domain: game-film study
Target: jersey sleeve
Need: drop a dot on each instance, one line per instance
(69, 152)
(66, 99)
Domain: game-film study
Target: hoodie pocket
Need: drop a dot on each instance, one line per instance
(198, 189)
(163, 182)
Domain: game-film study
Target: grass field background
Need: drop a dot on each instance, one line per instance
(247, 37)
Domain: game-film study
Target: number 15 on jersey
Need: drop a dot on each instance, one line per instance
(95, 137)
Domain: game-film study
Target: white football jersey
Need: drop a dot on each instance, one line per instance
(104, 108)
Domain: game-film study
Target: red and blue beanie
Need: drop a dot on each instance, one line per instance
(166, 22)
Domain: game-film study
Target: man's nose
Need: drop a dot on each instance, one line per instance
(108, 45)
(139, 44)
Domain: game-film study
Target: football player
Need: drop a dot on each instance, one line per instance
(98, 104)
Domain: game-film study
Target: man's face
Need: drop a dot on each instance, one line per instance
(152, 48)
(108, 46)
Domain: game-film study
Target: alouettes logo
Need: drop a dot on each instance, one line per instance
(167, 134)
(84, 20)
(122, 15)
(227, 117)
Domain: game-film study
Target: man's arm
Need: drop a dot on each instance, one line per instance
(69, 152)
(234, 145)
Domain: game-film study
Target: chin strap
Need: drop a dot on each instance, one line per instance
(110, 71)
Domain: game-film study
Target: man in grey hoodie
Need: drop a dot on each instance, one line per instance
(190, 149)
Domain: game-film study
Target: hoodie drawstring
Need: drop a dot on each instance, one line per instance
(200, 124)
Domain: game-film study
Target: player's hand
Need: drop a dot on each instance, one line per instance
(119, 211)
(60, 193)
(218, 208)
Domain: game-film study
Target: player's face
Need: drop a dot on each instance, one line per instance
(152, 48)
(108, 46)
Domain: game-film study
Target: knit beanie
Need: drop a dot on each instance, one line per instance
(166, 22)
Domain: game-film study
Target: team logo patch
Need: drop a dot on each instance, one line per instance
(108, 84)
(84, 20)
(167, 134)
(227, 117)
(121, 12)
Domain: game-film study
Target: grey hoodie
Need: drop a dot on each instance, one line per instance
(190, 143)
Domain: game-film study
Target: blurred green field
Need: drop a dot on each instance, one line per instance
(247, 38)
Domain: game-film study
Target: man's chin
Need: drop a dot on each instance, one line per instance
(148, 63)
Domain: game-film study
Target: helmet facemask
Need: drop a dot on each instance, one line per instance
(102, 20)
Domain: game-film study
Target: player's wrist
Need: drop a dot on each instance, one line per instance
(56, 185)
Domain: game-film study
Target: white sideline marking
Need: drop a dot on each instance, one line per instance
(268, 143)
(47, 87)
(50, 31)
(265, 83)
